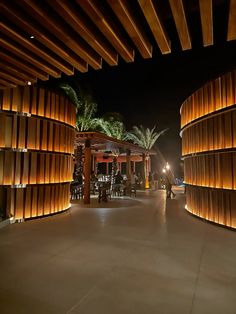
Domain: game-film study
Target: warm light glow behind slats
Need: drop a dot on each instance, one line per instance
(214, 205)
(211, 174)
(36, 201)
(36, 134)
(208, 170)
(215, 95)
(38, 101)
(39, 125)
(215, 133)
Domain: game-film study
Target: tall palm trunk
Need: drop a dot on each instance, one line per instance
(114, 169)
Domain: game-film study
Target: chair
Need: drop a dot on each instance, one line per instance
(116, 190)
(92, 187)
(133, 189)
(76, 191)
(104, 191)
(80, 191)
(108, 189)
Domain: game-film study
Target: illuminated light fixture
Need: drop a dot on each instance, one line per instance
(167, 166)
(32, 37)
(29, 83)
(164, 170)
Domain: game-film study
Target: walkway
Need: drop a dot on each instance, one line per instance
(147, 257)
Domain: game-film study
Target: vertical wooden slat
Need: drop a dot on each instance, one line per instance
(40, 200)
(41, 100)
(19, 209)
(33, 168)
(2, 155)
(18, 171)
(7, 96)
(16, 99)
(22, 132)
(26, 99)
(2, 129)
(34, 208)
(25, 172)
(28, 202)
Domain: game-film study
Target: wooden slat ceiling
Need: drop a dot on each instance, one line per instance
(39, 39)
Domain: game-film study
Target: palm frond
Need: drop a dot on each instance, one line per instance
(70, 92)
(145, 138)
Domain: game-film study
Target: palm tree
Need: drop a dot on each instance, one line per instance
(85, 109)
(70, 92)
(145, 138)
(86, 120)
(112, 127)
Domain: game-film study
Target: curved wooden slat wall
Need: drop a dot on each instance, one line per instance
(208, 120)
(36, 146)
(214, 96)
(216, 132)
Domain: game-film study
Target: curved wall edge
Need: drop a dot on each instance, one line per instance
(208, 121)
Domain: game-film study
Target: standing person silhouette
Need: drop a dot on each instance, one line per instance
(168, 185)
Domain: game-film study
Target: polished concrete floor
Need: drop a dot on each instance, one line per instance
(131, 256)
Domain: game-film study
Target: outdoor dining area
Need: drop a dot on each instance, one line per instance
(106, 167)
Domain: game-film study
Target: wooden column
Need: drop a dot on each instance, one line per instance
(128, 165)
(143, 169)
(147, 169)
(87, 171)
(95, 164)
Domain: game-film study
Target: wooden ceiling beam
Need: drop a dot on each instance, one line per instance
(178, 12)
(24, 65)
(31, 46)
(83, 28)
(124, 13)
(27, 56)
(206, 21)
(16, 16)
(12, 79)
(51, 23)
(15, 71)
(156, 25)
(6, 83)
(109, 30)
(232, 21)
